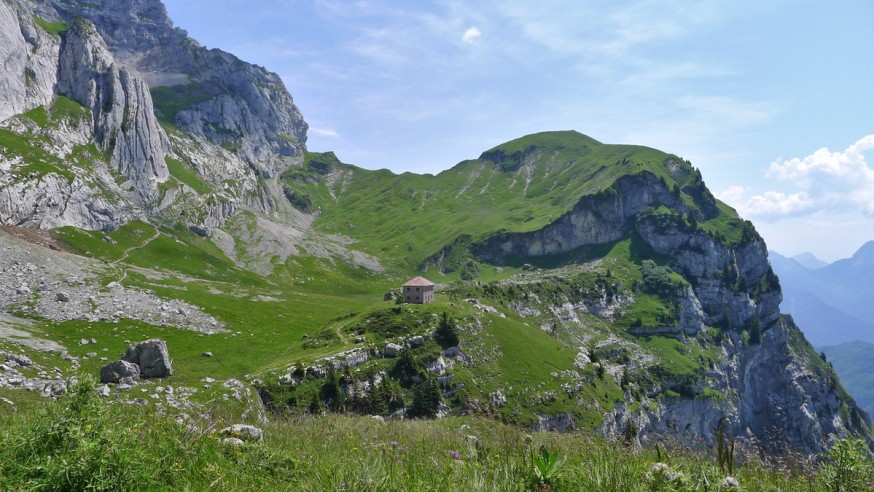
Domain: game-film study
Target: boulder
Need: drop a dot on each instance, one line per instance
(119, 372)
(392, 350)
(152, 357)
(243, 432)
(63, 297)
(20, 359)
(417, 341)
(452, 352)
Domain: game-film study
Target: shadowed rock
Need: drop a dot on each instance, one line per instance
(119, 372)
(152, 357)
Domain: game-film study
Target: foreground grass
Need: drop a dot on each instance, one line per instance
(80, 443)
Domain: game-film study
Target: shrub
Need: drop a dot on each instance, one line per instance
(848, 467)
(446, 333)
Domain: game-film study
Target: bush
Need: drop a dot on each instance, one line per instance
(848, 467)
(446, 333)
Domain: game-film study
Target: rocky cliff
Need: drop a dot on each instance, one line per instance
(765, 380)
(234, 125)
(229, 102)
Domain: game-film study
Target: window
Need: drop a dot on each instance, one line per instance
(417, 289)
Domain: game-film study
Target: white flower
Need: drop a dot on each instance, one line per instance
(729, 483)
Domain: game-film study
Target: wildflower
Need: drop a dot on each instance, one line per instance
(394, 443)
(455, 454)
(729, 483)
(343, 486)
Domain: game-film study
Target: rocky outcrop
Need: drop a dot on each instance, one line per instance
(29, 55)
(119, 372)
(770, 396)
(596, 219)
(52, 200)
(238, 105)
(772, 391)
(121, 106)
(240, 121)
(152, 357)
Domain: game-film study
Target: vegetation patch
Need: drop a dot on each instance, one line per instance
(53, 28)
(187, 175)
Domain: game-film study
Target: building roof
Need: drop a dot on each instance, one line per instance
(419, 282)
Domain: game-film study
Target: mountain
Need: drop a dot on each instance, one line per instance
(855, 365)
(831, 303)
(151, 188)
(809, 261)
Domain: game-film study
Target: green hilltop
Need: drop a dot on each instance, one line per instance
(520, 186)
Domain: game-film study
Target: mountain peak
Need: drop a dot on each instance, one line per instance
(808, 260)
(865, 252)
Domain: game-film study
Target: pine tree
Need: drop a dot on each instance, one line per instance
(446, 333)
(426, 399)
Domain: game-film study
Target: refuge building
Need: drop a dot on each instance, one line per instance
(419, 291)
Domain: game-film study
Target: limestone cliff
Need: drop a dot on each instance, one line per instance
(126, 64)
(772, 388)
(236, 104)
(124, 124)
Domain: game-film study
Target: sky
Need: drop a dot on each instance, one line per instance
(773, 101)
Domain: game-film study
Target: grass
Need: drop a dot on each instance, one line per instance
(186, 175)
(170, 100)
(478, 198)
(53, 28)
(80, 443)
(310, 308)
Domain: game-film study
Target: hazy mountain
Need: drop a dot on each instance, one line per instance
(831, 304)
(808, 260)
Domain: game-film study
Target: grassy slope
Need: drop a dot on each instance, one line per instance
(402, 218)
(407, 218)
(101, 448)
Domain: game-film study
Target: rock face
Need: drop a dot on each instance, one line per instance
(119, 372)
(238, 104)
(28, 53)
(124, 123)
(775, 391)
(152, 357)
(126, 64)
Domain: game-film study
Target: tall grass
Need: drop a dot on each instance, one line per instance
(80, 443)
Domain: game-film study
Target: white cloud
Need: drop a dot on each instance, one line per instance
(471, 35)
(775, 203)
(733, 196)
(824, 180)
(323, 132)
(849, 166)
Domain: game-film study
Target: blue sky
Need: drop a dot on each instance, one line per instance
(773, 101)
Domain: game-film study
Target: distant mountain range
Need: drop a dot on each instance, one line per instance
(830, 302)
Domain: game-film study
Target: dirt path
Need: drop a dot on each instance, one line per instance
(127, 252)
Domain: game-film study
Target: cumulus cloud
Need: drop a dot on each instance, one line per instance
(823, 181)
(471, 35)
(323, 132)
(776, 203)
(733, 196)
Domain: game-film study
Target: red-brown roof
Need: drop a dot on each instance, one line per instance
(419, 282)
